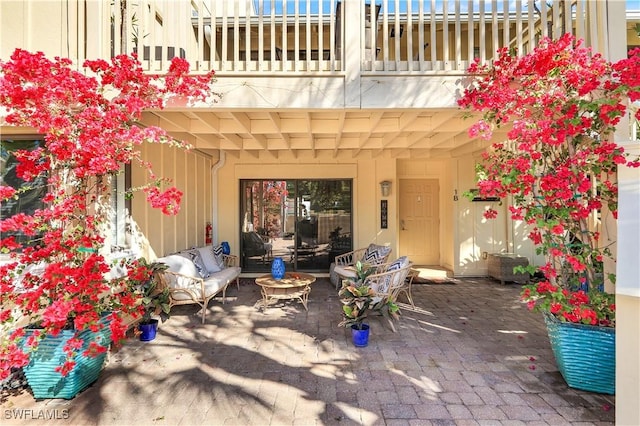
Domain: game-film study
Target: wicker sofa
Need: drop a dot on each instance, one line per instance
(196, 275)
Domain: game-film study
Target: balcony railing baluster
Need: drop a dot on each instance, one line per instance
(307, 36)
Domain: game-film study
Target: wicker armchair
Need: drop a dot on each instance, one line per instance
(343, 266)
(388, 281)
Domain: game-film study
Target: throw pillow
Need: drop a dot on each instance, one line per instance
(194, 256)
(396, 279)
(209, 259)
(218, 253)
(375, 254)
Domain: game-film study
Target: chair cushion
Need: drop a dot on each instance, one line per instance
(209, 258)
(194, 256)
(375, 254)
(345, 272)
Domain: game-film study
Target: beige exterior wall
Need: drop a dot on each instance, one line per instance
(22, 28)
(628, 294)
(627, 359)
(366, 175)
(156, 234)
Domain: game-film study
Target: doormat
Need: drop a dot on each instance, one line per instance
(434, 281)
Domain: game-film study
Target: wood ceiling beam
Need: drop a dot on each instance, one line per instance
(209, 119)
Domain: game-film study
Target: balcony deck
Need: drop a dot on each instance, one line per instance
(323, 76)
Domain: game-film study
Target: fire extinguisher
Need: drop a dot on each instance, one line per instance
(207, 233)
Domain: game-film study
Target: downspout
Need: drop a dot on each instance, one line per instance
(214, 195)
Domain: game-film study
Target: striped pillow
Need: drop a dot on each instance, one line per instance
(392, 279)
(375, 254)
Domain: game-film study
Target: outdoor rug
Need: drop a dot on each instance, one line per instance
(433, 281)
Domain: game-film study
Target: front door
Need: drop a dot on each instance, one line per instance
(420, 221)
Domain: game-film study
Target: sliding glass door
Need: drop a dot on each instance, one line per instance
(306, 222)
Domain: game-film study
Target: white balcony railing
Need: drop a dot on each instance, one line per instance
(328, 36)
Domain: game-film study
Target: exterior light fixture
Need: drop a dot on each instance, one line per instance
(385, 188)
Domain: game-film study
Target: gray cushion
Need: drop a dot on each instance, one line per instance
(209, 259)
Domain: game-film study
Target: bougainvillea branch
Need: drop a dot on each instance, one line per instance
(561, 104)
(89, 120)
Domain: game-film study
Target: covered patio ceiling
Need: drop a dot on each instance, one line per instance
(326, 134)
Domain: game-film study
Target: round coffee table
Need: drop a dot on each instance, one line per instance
(294, 285)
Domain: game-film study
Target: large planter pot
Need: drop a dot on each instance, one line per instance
(148, 330)
(585, 355)
(360, 336)
(40, 373)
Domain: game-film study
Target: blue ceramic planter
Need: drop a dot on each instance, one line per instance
(277, 268)
(226, 249)
(41, 376)
(585, 355)
(148, 330)
(360, 336)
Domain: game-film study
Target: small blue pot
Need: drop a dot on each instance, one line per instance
(360, 336)
(148, 331)
(277, 268)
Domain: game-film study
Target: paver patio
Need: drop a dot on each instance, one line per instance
(468, 354)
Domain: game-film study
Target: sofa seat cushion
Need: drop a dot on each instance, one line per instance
(212, 285)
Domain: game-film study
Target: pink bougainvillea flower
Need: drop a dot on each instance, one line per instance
(558, 162)
(87, 136)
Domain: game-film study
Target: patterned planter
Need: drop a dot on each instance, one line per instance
(41, 376)
(277, 268)
(585, 355)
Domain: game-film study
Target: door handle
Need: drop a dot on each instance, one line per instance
(402, 224)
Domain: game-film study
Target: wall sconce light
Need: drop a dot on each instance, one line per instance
(385, 188)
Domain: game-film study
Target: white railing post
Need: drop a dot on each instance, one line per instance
(351, 50)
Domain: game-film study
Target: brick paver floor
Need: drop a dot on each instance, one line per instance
(468, 354)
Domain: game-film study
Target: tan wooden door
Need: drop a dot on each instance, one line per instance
(419, 221)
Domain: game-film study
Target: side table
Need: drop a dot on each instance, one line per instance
(294, 285)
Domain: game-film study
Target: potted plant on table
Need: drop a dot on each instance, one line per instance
(57, 280)
(558, 168)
